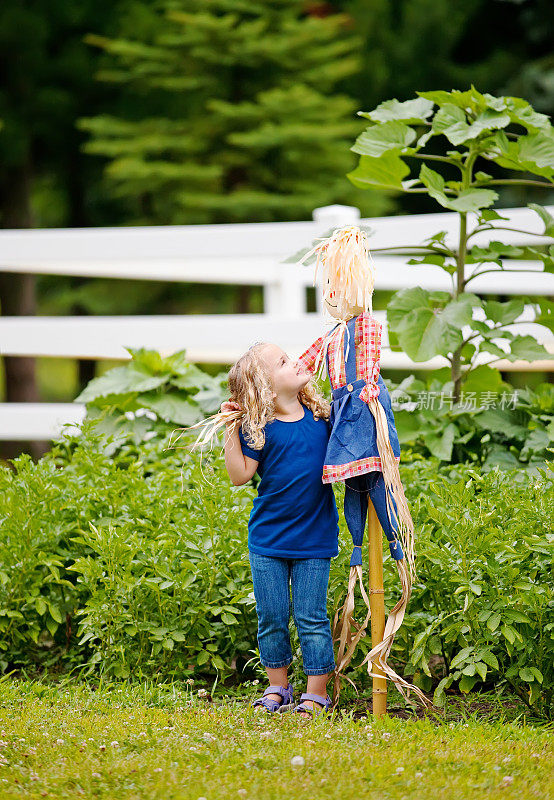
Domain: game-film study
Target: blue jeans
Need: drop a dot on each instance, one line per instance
(309, 579)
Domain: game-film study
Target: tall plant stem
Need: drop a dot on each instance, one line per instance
(456, 369)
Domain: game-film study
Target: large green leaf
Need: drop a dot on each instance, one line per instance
(120, 380)
(498, 420)
(484, 379)
(422, 335)
(431, 258)
(495, 251)
(422, 332)
(467, 99)
(440, 444)
(193, 379)
(545, 315)
(467, 200)
(451, 121)
(546, 217)
(504, 313)
(537, 441)
(177, 362)
(488, 120)
(210, 399)
(409, 426)
(151, 360)
(472, 200)
(522, 154)
(537, 148)
(527, 348)
(434, 183)
(492, 348)
(405, 301)
(460, 311)
(172, 408)
(498, 456)
(488, 214)
(385, 172)
(524, 114)
(380, 138)
(410, 111)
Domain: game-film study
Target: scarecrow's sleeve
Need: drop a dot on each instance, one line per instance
(370, 355)
(309, 357)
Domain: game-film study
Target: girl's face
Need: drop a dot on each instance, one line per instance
(287, 377)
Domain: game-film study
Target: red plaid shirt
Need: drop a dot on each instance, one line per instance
(367, 341)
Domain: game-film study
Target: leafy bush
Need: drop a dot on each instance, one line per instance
(128, 562)
(171, 390)
(494, 427)
(484, 606)
(127, 559)
(471, 131)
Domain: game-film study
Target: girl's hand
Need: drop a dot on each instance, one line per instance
(230, 405)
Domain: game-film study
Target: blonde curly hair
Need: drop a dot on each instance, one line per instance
(250, 386)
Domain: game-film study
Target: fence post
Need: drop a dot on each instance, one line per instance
(287, 295)
(336, 215)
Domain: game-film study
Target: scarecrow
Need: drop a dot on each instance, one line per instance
(363, 449)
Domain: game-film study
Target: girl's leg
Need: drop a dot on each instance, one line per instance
(310, 580)
(270, 577)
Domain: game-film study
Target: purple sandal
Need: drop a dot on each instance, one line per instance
(317, 698)
(269, 704)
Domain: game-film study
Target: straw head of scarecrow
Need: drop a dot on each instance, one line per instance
(347, 272)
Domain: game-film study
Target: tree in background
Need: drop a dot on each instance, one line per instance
(44, 176)
(232, 111)
(414, 45)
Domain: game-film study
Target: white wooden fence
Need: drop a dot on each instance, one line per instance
(237, 254)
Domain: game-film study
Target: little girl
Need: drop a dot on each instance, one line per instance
(293, 525)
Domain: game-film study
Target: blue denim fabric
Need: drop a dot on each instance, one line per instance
(354, 433)
(357, 489)
(308, 579)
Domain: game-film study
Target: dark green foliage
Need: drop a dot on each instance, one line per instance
(232, 111)
(123, 556)
(492, 425)
(484, 607)
(120, 558)
(47, 83)
(414, 44)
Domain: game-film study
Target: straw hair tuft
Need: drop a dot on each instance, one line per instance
(347, 270)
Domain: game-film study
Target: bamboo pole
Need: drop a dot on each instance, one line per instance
(377, 605)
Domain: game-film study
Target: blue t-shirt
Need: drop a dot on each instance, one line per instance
(294, 514)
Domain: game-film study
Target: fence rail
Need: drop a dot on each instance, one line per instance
(250, 253)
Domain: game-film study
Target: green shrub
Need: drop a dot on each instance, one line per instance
(483, 606)
(124, 559)
(127, 559)
(515, 429)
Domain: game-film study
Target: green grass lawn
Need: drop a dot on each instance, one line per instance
(70, 740)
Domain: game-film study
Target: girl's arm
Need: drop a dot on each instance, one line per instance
(308, 358)
(370, 355)
(240, 468)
